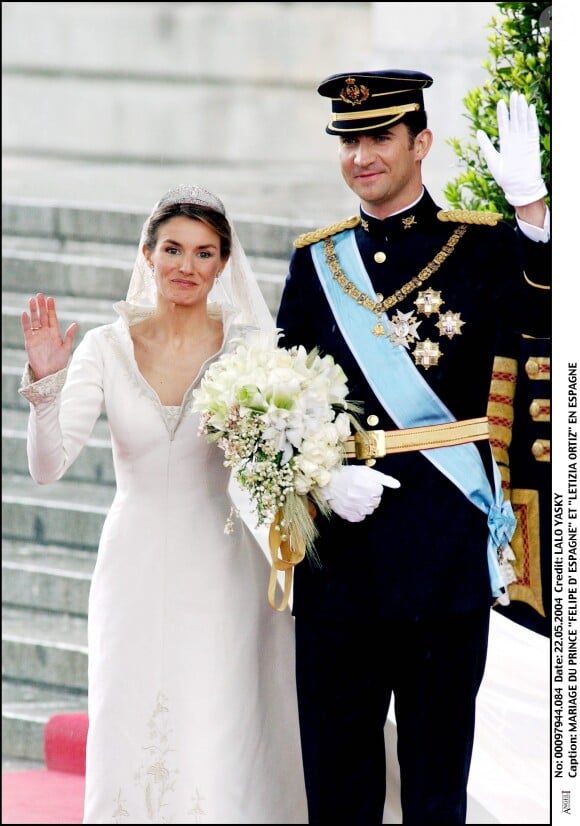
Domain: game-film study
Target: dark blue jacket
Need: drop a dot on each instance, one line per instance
(423, 551)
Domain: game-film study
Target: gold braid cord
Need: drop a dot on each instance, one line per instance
(380, 307)
(467, 216)
(291, 533)
(318, 234)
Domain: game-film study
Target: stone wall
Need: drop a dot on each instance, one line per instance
(223, 84)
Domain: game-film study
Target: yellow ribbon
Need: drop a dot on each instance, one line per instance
(286, 552)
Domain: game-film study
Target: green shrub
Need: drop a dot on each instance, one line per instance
(520, 61)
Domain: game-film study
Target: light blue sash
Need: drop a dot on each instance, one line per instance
(408, 399)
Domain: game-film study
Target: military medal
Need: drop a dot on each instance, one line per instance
(428, 301)
(449, 324)
(427, 353)
(403, 329)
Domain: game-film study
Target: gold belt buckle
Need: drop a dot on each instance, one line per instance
(370, 445)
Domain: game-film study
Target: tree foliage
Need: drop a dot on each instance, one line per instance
(519, 60)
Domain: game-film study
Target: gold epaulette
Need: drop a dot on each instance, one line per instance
(325, 232)
(469, 216)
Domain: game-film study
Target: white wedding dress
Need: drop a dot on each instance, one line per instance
(192, 709)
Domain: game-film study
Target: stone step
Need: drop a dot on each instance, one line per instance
(94, 464)
(13, 363)
(242, 75)
(74, 223)
(68, 248)
(20, 764)
(26, 709)
(84, 275)
(63, 274)
(100, 102)
(69, 221)
(44, 647)
(68, 513)
(50, 577)
(88, 313)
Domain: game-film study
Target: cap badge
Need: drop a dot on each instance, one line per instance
(353, 93)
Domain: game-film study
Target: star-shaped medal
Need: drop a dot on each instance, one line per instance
(429, 301)
(427, 353)
(450, 324)
(403, 329)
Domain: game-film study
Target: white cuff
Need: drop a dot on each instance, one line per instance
(39, 391)
(534, 233)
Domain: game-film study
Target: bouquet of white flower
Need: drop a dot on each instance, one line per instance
(281, 418)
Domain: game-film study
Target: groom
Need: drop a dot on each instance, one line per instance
(411, 300)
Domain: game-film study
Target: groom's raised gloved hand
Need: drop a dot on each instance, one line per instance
(516, 167)
(355, 491)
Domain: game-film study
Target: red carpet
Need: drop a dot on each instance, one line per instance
(53, 794)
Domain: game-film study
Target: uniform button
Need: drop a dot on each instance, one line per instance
(532, 367)
(372, 420)
(538, 448)
(534, 409)
(380, 257)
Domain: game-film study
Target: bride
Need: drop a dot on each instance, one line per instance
(191, 699)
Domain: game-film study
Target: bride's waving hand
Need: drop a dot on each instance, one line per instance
(47, 350)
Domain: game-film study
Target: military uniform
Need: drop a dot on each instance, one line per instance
(419, 561)
(480, 291)
(427, 312)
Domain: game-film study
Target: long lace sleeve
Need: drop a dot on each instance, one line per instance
(63, 410)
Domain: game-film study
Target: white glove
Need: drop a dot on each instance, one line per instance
(354, 491)
(516, 168)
